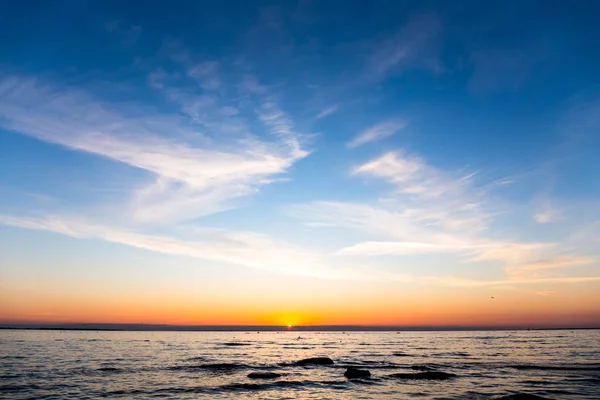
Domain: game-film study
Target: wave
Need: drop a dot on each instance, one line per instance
(429, 375)
(109, 369)
(234, 387)
(521, 396)
(210, 367)
(12, 388)
(557, 368)
(452, 354)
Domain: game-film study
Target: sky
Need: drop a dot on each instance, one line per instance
(405, 163)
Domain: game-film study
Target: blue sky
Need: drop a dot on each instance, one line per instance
(442, 144)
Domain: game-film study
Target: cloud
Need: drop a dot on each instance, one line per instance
(129, 34)
(377, 132)
(245, 249)
(196, 173)
(401, 248)
(431, 211)
(414, 45)
(328, 111)
(546, 215)
(436, 198)
(546, 264)
(463, 282)
(206, 74)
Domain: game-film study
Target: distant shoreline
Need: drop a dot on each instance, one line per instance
(270, 328)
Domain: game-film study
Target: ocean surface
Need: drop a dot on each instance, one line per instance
(191, 365)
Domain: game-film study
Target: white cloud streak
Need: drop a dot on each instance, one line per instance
(195, 173)
(433, 211)
(245, 249)
(377, 132)
(328, 111)
(414, 45)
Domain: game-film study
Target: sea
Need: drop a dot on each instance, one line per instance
(54, 364)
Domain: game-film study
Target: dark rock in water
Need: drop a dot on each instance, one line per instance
(263, 375)
(234, 344)
(429, 375)
(352, 373)
(522, 396)
(315, 361)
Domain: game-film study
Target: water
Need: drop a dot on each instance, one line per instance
(181, 365)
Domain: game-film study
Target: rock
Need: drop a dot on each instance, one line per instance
(263, 375)
(522, 396)
(352, 373)
(429, 375)
(315, 361)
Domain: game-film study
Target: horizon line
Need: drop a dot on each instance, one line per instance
(279, 328)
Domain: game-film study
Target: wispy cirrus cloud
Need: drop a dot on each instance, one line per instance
(431, 211)
(378, 132)
(206, 74)
(129, 34)
(246, 249)
(547, 214)
(414, 45)
(197, 172)
(327, 111)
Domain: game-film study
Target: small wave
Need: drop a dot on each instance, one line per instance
(423, 367)
(233, 387)
(109, 369)
(235, 344)
(263, 375)
(210, 367)
(12, 376)
(557, 368)
(429, 375)
(521, 396)
(12, 357)
(197, 358)
(452, 354)
(12, 388)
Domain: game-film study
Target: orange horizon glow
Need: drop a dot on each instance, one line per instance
(316, 317)
(307, 303)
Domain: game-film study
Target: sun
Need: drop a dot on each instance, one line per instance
(289, 326)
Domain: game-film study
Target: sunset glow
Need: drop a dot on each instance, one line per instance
(299, 165)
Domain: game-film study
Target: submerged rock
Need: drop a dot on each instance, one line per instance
(522, 396)
(352, 373)
(315, 361)
(429, 375)
(263, 375)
